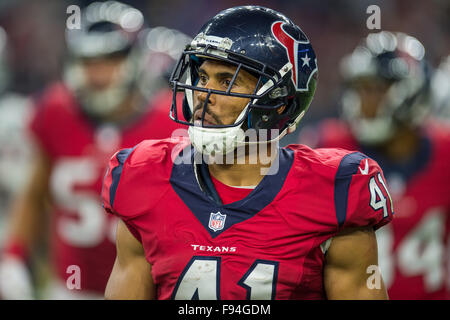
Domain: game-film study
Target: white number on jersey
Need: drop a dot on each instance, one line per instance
(89, 227)
(377, 198)
(260, 280)
(421, 252)
(200, 280)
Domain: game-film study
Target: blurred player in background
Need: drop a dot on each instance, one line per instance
(385, 105)
(16, 147)
(79, 123)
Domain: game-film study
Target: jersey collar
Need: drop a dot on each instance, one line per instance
(201, 197)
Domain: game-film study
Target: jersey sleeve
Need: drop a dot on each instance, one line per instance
(124, 189)
(361, 196)
(137, 178)
(132, 176)
(112, 178)
(110, 184)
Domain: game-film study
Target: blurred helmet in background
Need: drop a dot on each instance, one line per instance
(386, 86)
(160, 48)
(103, 59)
(440, 90)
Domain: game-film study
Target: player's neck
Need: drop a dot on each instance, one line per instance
(248, 170)
(403, 145)
(129, 107)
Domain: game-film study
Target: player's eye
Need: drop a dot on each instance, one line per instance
(226, 83)
(202, 79)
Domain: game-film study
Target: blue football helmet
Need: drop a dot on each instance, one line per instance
(266, 44)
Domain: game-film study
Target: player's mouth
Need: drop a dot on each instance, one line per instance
(207, 121)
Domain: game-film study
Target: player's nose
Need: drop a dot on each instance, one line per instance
(206, 97)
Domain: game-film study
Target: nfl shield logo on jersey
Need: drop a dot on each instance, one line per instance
(217, 221)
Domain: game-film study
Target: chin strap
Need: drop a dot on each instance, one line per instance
(204, 180)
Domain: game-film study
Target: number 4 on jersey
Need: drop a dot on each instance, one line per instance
(200, 280)
(377, 197)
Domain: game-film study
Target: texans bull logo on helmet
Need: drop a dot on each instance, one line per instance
(297, 51)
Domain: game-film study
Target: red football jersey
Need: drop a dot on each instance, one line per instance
(265, 246)
(414, 249)
(79, 150)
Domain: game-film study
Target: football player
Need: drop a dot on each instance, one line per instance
(213, 216)
(78, 125)
(16, 146)
(384, 114)
(15, 153)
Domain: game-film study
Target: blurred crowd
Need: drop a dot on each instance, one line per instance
(52, 161)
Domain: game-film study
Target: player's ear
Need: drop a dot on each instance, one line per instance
(281, 109)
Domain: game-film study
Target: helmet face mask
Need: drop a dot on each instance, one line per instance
(267, 81)
(102, 84)
(365, 107)
(268, 46)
